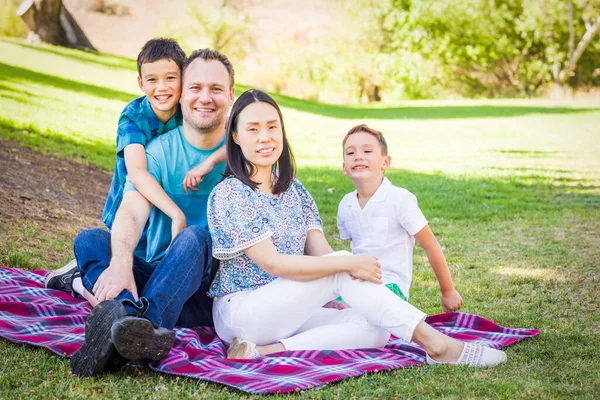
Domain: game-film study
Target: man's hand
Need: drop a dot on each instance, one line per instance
(366, 268)
(195, 176)
(451, 301)
(113, 280)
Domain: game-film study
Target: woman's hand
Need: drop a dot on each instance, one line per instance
(366, 268)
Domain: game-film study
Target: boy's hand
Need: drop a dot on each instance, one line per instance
(178, 224)
(451, 301)
(366, 268)
(195, 176)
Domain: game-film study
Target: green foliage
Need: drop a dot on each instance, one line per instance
(418, 49)
(10, 23)
(222, 25)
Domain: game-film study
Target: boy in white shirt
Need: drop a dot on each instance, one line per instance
(384, 220)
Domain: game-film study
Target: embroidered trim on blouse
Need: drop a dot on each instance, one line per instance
(227, 254)
(317, 227)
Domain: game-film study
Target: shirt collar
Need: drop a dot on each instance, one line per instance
(379, 195)
(157, 125)
(381, 192)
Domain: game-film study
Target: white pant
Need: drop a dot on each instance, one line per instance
(291, 312)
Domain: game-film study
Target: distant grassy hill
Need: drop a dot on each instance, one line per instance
(510, 188)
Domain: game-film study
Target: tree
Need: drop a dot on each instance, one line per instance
(49, 21)
(592, 29)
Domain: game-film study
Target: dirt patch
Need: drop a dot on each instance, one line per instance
(44, 202)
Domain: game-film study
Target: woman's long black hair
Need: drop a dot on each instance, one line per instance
(238, 166)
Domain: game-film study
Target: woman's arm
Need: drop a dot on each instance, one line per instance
(316, 244)
(308, 268)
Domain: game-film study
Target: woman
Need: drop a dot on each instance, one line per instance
(273, 281)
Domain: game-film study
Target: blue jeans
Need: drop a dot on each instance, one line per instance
(172, 291)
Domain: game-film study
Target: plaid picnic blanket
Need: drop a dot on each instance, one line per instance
(31, 314)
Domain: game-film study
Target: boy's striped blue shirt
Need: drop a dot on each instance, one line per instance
(137, 125)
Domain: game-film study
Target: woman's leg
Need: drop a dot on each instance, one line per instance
(279, 310)
(331, 329)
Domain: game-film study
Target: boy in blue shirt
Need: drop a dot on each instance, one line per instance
(159, 67)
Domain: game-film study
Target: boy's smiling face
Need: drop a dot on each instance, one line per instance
(161, 82)
(364, 158)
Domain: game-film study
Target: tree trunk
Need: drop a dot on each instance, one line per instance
(49, 21)
(571, 64)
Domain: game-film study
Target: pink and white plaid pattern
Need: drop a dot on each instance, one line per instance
(31, 314)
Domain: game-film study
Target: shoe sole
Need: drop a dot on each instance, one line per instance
(98, 354)
(237, 349)
(136, 338)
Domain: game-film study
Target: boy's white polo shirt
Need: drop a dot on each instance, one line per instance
(384, 228)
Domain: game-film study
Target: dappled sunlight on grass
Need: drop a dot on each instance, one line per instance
(536, 273)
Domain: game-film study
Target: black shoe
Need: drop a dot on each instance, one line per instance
(98, 354)
(136, 337)
(62, 278)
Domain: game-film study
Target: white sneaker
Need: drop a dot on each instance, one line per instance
(242, 349)
(475, 355)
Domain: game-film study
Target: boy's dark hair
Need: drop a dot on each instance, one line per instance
(208, 54)
(364, 128)
(238, 166)
(158, 49)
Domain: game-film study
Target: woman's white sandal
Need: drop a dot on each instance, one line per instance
(475, 355)
(242, 349)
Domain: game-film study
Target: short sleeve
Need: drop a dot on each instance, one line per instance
(341, 222)
(235, 219)
(309, 207)
(410, 215)
(129, 133)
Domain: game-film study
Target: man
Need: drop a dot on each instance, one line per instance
(141, 300)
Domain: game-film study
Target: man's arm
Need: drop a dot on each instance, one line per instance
(144, 182)
(125, 235)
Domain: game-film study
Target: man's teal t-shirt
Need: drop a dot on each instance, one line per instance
(170, 156)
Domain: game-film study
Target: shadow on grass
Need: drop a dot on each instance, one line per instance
(473, 199)
(92, 152)
(10, 73)
(418, 112)
(439, 196)
(88, 57)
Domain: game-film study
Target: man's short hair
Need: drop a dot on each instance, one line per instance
(207, 55)
(159, 49)
(364, 128)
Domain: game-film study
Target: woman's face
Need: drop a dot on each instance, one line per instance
(259, 134)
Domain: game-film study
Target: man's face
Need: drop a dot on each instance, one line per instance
(206, 96)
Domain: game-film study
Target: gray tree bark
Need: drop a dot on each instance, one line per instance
(571, 63)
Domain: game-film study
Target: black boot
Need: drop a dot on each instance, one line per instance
(98, 354)
(135, 337)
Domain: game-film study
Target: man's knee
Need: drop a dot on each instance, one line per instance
(194, 236)
(89, 238)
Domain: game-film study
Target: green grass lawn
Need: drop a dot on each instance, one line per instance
(510, 188)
